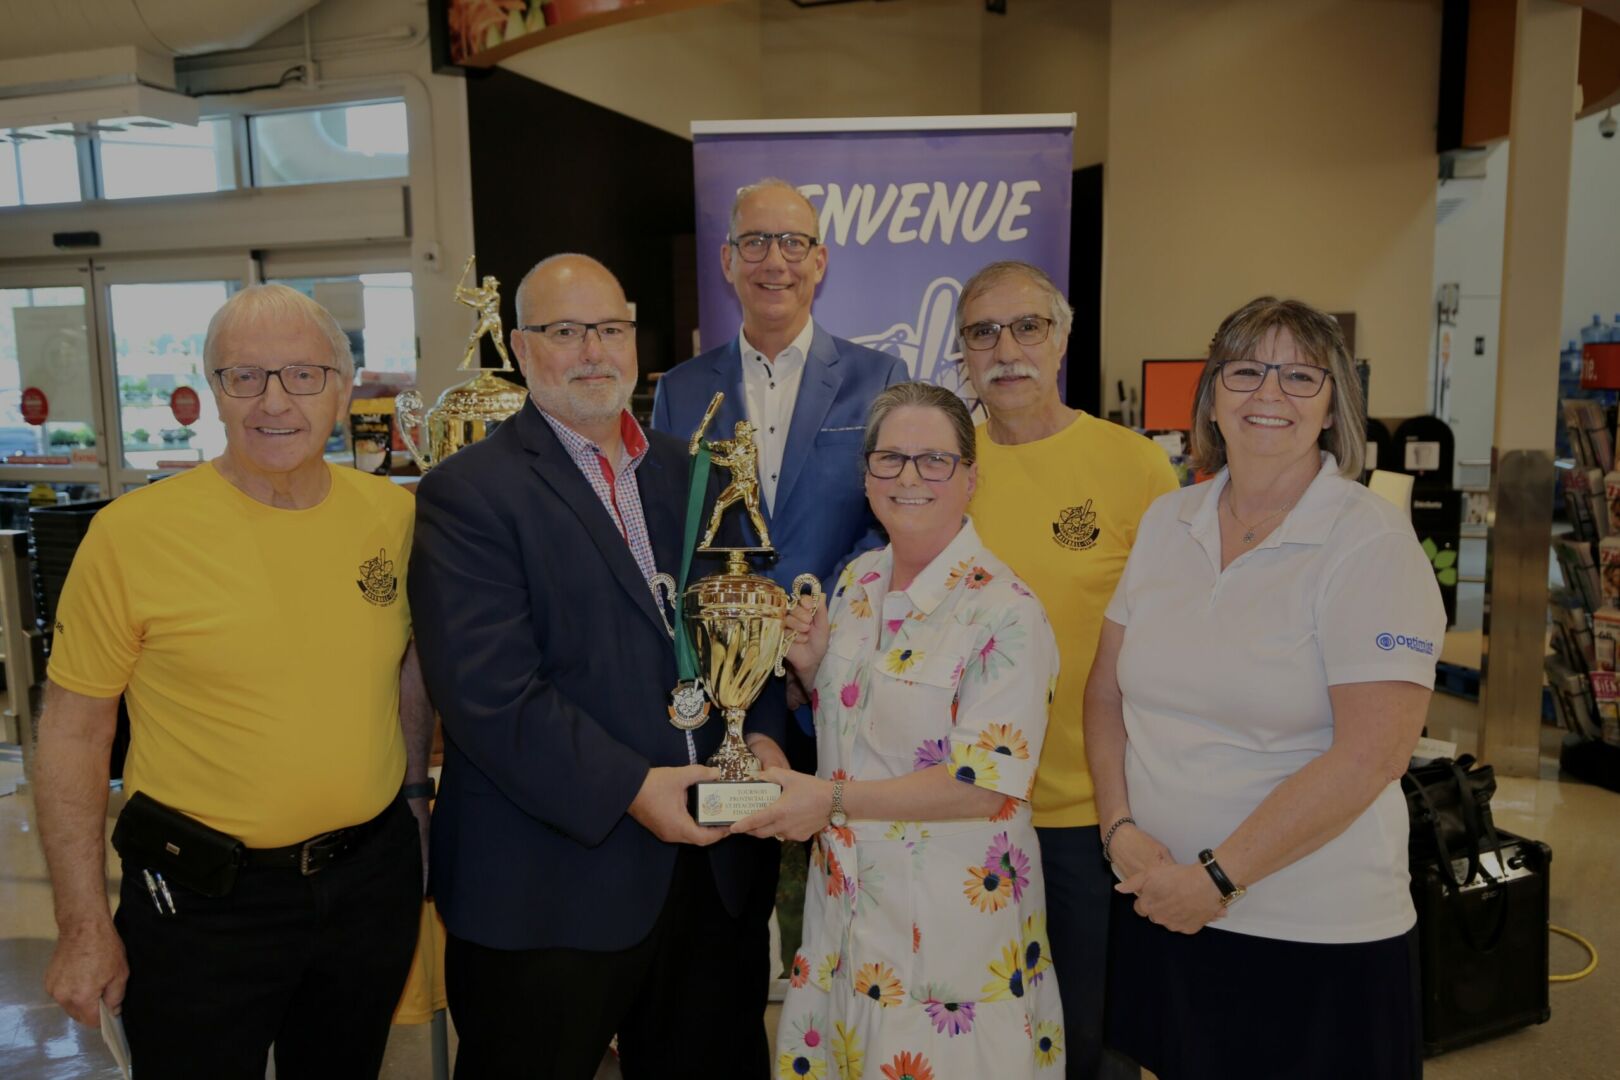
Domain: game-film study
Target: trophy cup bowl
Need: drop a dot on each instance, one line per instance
(735, 622)
(465, 413)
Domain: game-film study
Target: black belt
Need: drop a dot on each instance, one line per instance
(318, 852)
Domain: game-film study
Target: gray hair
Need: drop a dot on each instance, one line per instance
(763, 185)
(1319, 339)
(997, 272)
(275, 302)
(922, 395)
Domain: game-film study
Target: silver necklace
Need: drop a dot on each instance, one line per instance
(1231, 508)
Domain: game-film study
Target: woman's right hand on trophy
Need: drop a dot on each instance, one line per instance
(809, 637)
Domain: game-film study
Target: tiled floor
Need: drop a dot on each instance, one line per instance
(1581, 823)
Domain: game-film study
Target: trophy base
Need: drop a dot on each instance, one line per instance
(726, 802)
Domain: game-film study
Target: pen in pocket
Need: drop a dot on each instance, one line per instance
(151, 889)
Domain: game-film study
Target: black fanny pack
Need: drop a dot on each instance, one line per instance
(184, 850)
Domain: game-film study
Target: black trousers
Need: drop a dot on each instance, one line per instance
(1218, 1005)
(687, 1001)
(312, 964)
(1079, 897)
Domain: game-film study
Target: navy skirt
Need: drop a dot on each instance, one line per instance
(1217, 1005)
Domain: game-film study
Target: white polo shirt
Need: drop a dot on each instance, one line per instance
(770, 390)
(1225, 677)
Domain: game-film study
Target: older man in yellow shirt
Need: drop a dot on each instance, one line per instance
(1060, 494)
(252, 613)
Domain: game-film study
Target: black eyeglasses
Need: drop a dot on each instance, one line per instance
(571, 335)
(1026, 330)
(934, 465)
(301, 380)
(1296, 380)
(754, 246)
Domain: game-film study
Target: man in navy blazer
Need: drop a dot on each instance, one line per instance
(580, 897)
(805, 391)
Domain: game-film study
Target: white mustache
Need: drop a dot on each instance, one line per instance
(1014, 369)
(592, 371)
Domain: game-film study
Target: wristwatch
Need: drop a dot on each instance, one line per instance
(1229, 891)
(838, 819)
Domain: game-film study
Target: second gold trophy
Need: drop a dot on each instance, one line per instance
(729, 637)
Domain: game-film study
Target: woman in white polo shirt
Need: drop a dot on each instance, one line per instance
(1262, 677)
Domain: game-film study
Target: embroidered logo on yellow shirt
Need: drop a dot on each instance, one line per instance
(1076, 528)
(378, 583)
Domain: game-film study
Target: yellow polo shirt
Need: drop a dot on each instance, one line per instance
(1062, 512)
(258, 649)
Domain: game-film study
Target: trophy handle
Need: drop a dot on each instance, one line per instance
(798, 598)
(409, 407)
(663, 590)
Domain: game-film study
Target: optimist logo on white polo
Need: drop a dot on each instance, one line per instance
(1390, 642)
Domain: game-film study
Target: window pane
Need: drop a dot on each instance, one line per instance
(153, 157)
(44, 346)
(345, 142)
(10, 178)
(385, 339)
(158, 333)
(42, 164)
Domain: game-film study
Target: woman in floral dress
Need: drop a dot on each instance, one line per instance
(925, 953)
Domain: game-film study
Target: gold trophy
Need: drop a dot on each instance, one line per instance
(734, 623)
(471, 410)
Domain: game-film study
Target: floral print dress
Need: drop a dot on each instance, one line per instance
(925, 952)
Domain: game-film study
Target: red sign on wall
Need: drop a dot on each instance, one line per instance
(35, 406)
(185, 405)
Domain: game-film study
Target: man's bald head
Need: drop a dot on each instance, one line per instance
(559, 274)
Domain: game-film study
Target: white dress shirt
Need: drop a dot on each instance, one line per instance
(770, 389)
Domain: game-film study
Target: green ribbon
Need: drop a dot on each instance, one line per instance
(686, 661)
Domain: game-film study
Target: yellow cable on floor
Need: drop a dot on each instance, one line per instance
(1591, 950)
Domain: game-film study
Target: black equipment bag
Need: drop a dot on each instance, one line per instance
(1449, 803)
(1482, 900)
(1471, 993)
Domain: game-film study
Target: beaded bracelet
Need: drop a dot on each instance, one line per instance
(1108, 838)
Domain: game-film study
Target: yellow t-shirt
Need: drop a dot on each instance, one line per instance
(258, 649)
(1062, 512)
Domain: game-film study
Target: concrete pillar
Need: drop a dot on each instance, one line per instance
(1545, 53)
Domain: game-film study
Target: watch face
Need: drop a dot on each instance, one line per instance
(838, 819)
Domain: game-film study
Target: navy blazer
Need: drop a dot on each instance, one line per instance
(549, 662)
(820, 516)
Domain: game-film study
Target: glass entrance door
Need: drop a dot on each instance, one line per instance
(102, 379)
(51, 427)
(159, 411)
(91, 357)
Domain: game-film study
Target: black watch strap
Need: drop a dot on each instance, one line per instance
(1229, 891)
(422, 790)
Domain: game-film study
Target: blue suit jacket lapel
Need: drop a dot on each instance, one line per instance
(818, 388)
(558, 471)
(728, 377)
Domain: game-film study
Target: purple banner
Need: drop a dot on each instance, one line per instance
(907, 216)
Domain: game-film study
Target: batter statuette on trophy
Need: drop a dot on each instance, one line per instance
(471, 410)
(728, 630)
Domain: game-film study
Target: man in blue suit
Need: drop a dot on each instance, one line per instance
(805, 391)
(580, 897)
